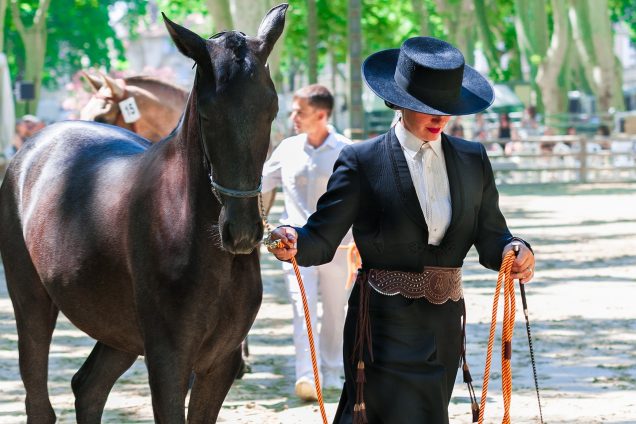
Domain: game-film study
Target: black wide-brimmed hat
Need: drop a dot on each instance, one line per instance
(427, 75)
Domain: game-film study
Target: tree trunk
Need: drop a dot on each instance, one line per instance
(312, 42)
(592, 34)
(490, 48)
(354, 36)
(34, 40)
(219, 11)
(458, 15)
(531, 24)
(420, 11)
(3, 12)
(247, 16)
(554, 97)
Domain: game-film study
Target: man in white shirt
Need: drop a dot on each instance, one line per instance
(302, 165)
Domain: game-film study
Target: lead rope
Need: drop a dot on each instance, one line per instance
(505, 279)
(312, 348)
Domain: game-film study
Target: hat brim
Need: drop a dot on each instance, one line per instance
(378, 70)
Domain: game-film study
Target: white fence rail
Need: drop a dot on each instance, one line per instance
(556, 159)
(574, 158)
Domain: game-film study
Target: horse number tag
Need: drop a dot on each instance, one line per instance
(129, 110)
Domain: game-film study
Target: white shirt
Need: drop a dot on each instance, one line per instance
(430, 179)
(303, 171)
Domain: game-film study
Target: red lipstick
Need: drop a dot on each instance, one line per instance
(433, 130)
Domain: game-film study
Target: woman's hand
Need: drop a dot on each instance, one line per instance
(286, 248)
(523, 266)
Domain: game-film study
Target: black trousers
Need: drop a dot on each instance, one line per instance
(416, 352)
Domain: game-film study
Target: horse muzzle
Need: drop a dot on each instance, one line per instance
(242, 231)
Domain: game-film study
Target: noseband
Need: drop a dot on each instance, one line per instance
(218, 189)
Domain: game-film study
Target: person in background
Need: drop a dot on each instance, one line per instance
(25, 127)
(418, 200)
(480, 130)
(302, 165)
(456, 128)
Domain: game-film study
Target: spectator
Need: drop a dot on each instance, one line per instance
(457, 129)
(24, 128)
(302, 165)
(480, 131)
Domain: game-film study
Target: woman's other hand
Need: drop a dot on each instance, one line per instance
(523, 266)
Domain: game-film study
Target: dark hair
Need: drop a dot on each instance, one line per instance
(317, 96)
(604, 130)
(391, 105)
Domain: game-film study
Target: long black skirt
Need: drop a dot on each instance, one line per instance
(416, 352)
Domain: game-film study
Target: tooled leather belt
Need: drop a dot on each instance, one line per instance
(436, 284)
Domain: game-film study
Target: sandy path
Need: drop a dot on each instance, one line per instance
(581, 311)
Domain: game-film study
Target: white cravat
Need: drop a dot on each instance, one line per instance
(430, 179)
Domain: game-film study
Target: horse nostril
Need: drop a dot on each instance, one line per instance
(242, 239)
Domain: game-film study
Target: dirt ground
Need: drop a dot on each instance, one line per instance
(581, 308)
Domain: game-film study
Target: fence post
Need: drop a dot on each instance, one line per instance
(583, 159)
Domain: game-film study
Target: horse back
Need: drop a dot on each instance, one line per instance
(65, 195)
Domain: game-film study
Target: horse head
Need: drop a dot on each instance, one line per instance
(103, 106)
(234, 103)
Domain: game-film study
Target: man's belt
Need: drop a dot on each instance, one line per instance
(436, 284)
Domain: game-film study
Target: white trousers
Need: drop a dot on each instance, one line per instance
(330, 280)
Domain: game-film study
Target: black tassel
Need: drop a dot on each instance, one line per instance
(360, 414)
(467, 377)
(360, 378)
(475, 409)
(363, 413)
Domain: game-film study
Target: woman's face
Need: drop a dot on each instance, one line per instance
(423, 126)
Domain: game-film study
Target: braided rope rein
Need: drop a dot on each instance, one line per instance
(310, 336)
(505, 279)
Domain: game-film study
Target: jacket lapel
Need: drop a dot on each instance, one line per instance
(454, 181)
(403, 180)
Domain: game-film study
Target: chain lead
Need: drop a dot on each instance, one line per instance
(267, 236)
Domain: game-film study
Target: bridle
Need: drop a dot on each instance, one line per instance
(218, 189)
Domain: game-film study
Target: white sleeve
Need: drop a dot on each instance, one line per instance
(272, 176)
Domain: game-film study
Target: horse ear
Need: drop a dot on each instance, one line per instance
(115, 88)
(188, 43)
(271, 28)
(93, 81)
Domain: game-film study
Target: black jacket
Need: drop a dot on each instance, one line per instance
(371, 189)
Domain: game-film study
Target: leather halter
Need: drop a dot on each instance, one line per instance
(218, 189)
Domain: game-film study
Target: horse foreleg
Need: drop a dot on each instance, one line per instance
(210, 389)
(35, 317)
(169, 372)
(94, 380)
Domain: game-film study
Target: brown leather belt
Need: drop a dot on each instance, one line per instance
(435, 284)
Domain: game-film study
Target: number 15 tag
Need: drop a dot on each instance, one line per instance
(129, 110)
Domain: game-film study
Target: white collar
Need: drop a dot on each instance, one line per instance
(330, 142)
(411, 144)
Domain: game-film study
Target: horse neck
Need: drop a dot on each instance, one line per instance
(184, 150)
(160, 106)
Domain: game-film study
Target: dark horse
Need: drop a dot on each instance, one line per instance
(128, 240)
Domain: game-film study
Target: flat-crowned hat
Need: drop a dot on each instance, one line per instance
(427, 75)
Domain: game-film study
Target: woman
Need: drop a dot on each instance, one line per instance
(418, 200)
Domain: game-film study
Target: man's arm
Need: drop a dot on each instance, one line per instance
(337, 209)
